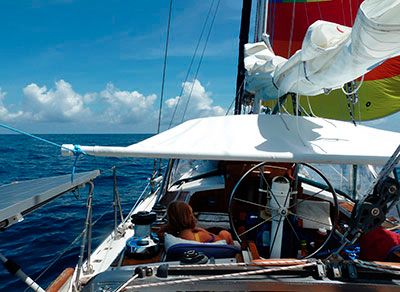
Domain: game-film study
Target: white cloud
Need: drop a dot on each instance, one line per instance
(127, 106)
(201, 100)
(172, 102)
(200, 103)
(110, 108)
(5, 114)
(61, 104)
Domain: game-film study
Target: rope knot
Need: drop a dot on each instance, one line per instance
(78, 150)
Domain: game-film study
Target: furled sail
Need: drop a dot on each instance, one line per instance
(331, 55)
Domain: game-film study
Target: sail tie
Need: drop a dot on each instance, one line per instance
(77, 152)
(351, 98)
(305, 72)
(354, 91)
(351, 92)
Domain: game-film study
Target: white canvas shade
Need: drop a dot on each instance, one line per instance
(275, 138)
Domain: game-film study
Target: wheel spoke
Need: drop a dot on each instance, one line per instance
(288, 198)
(263, 177)
(292, 227)
(308, 198)
(255, 204)
(277, 207)
(259, 224)
(266, 182)
(276, 233)
(309, 219)
(275, 199)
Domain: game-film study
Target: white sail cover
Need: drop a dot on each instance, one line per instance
(278, 138)
(331, 54)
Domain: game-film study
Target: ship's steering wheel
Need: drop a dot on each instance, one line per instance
(239, 201)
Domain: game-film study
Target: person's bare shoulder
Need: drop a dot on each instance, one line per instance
(186, 234)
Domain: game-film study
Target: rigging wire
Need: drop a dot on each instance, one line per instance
(344, 18)
(33, 136)
(351, 13)
(164, 66)
(306, 13)
(77, 151)
(320, 11)
(201, 60)
(233, 101)
(274, 3)
(292, 28)
(230, 107)
(297, 111)
(163, 84)
(191, 63)
(257, 22)
(75, 240)
(65, 250)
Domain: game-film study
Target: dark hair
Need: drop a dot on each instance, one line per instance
(180, 217)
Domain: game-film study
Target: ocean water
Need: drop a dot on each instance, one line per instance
(44, 234)
(36, 241)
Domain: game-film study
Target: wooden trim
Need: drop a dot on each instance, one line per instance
(253, 251)
(59, 282)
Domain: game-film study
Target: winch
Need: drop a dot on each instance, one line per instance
(144, 243)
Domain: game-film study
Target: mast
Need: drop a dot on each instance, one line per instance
(243, 39)
(261, 20)
(260, 34)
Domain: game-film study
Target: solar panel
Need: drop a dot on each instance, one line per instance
(22, 197)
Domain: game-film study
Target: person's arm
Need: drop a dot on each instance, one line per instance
(225, 235)
(204, 236)
(198, 234)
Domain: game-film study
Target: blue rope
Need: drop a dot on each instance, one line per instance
(77, 151)
(34, 136)
(30, 135)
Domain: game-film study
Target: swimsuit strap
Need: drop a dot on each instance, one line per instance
(197, 236)
(212, 238)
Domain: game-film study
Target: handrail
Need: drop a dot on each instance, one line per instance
(87, 230)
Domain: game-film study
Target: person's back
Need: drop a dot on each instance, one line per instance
(182, 223)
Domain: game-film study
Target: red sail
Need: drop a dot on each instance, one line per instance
(288, 21)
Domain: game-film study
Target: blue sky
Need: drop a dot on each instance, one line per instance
(66, 63)
(96, 66)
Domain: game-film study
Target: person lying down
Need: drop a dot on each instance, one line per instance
(182, 223)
